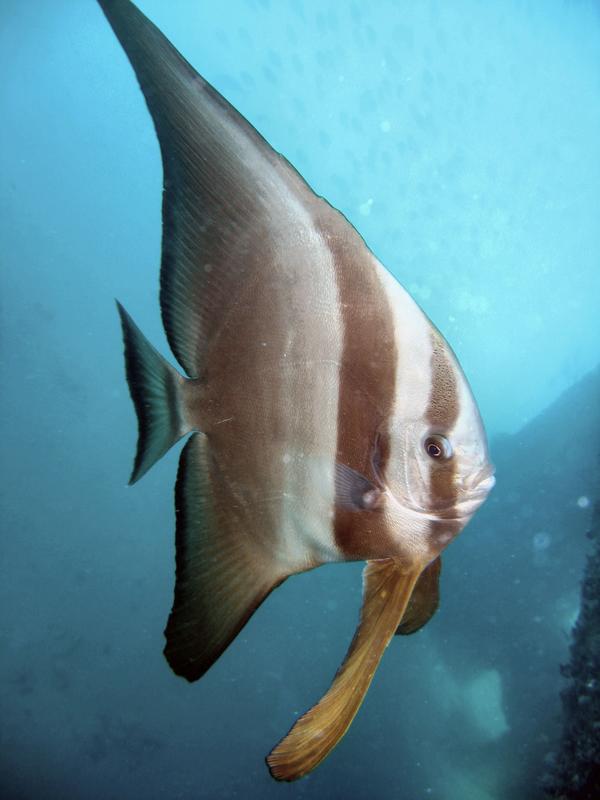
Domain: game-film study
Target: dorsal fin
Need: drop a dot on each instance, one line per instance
(228, 196)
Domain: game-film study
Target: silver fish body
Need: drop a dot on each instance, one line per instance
(330, 420)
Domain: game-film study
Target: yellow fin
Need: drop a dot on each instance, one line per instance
(387, 588)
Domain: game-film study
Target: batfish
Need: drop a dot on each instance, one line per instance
(327, 418)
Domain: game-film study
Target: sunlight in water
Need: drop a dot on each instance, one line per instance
(483, 698)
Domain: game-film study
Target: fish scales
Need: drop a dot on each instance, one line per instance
(327, 418)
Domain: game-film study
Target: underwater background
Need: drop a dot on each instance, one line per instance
(463, 141)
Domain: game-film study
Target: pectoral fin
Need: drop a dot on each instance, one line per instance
(353, 491)
(387, 588)
(424, 600)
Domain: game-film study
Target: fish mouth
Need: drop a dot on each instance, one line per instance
(474, 498)
(457, 512)
(472, 492)
(461, 510)
(484, 481)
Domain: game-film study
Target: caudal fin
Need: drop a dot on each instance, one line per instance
(156, 391)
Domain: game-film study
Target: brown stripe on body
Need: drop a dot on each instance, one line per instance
(367, 382)
(267, 396)
(442, 413)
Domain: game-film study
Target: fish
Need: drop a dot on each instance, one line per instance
(327, 419)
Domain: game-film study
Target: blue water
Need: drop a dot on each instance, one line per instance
(462, 140)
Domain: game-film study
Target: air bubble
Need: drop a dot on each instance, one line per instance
(365, 208)
(541, 541)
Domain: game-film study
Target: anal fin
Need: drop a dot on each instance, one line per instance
(221, 577)
(386, 592)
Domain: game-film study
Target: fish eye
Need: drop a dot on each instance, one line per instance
(438, 447)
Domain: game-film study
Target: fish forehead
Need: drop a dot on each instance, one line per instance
(453, 411)
(432, 395)
(443, 407)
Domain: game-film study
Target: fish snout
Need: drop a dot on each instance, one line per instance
(487, 484)
(473, 491)
(481, 482)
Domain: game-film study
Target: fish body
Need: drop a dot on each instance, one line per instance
(329, 419)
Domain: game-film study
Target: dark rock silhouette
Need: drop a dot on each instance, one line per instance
(514, 578)
(574, 772)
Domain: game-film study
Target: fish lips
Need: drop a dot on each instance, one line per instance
(463, 509)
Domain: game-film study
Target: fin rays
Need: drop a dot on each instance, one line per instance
(225, 189)
(386, 593)
(221, 578)
(156, 389)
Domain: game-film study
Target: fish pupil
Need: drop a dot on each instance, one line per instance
(438, 447)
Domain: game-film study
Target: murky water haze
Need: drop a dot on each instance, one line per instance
(462, 141)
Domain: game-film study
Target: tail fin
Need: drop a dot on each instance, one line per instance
(156, 390)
